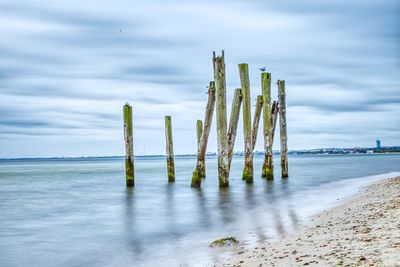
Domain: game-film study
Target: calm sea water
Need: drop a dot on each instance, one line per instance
(79, 213)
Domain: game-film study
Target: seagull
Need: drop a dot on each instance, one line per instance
(263, 69)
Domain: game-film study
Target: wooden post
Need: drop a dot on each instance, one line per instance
(169, 149)
(199, 131)
(248, 152)
(282, 123)
(200, 170)
(268, 168)
(129, 166)
(233, 122)
(274, 116)
(220, 84)
(256, 121)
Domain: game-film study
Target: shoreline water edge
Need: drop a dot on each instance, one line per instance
(364, 230)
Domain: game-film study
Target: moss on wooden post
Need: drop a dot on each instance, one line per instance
(256, 121)
(268, 168)
(248, 152)
(233, 122)
(199, 131)
(129, 166)
(200, 170)
(283, 131)
(169, 149)
(220, 84)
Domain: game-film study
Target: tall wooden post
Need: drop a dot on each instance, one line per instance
(248, 152)
(220, 84)
(199, 131)
(256, 121)
(129, 166)
(274, 116)
(169, 149)
(233, 122)
(282, 123)
(200, 170)
(268, 168)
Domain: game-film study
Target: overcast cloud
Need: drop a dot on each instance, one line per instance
(68, 67)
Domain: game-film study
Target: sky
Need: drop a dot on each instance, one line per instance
(68, 67)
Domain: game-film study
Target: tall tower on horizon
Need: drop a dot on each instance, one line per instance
(378, 144)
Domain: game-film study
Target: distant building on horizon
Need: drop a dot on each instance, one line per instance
(378, 144)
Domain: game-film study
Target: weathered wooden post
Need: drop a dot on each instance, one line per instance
(274, 116)
(282, 123)
(169, 149)
(200, 170)
(233, 122)
(248, 152)
(220, 84)
(129, 166)
(256, 121)
(199, 131)
(268, 168)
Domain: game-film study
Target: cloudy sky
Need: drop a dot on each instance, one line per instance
(67, 68)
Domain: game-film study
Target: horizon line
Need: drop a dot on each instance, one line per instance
(191, 154)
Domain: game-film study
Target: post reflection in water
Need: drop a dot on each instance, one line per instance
(274, 206)
(254, 207)
(224, 206)
(134, 243)
(250, 197)
(204, 218)
(170, 211)
(290, 208)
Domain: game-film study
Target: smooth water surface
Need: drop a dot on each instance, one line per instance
(79, 212)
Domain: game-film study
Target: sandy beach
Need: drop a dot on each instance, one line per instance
(362, 231)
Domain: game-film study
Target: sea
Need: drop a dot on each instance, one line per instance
(78, 211)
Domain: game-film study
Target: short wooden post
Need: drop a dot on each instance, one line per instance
(199, 131)
(129, 166)
(200, 170)
(220, 84)
(169, 149)
(282, 123)
(256, 121)
(233, 122)
(274, 116)
(248, 152)
(268, 168)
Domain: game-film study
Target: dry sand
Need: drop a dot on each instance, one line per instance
(363, 231)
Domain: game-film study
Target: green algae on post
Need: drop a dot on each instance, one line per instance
(220, 84)
(267, 169)
(129, 165)
(248, 153)
(169, 150)
(233, 122)
(200, 170)
(269, 173)
(282, 123)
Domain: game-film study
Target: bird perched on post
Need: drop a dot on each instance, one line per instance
(263, 69)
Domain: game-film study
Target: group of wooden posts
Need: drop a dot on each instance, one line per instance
(226, 134)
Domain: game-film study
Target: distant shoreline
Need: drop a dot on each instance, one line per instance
(210, 155)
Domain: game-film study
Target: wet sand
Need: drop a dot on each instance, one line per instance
(362, 231)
